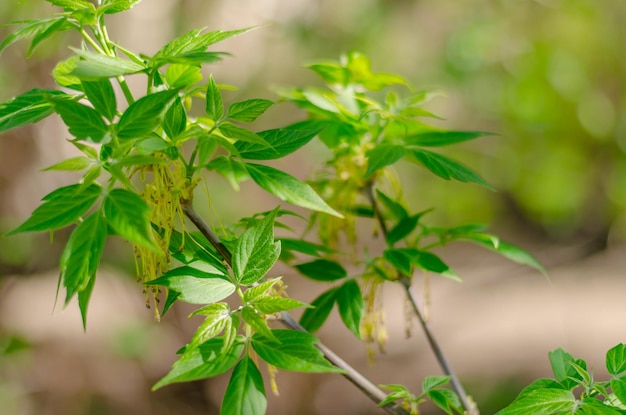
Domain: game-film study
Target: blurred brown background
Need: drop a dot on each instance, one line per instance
(547, 76)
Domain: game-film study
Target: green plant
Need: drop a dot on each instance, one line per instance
(557, 396)
(143, 159)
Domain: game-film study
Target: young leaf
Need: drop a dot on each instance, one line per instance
(507, 250)
(563, 371)
(233, 170)
(240, 134)
(245, 393)
(383, 156)
(313, 318)
(616, 359)
(71, 164)
(61, 207)
(82, 121)
(447, 400)
(195, 286)
(295, 351)
(175, 119)
(541, 401)
(257, 322)
(127, 214)
(214, 107)
(83, 299)
(216, 317)
(142, 116)
(350, 305)
(73, 5)
(256, 251)
(288, 188)
(395, 208)
(322, 270)
(270, 304)
(38, 29)
(447, 168)
(442, 138)
(102, 97)
(182, 76)
(432, 382)
(618, 387)
(402, 229)
(95, 66)
(305, 247)
(28, 108)
(399, 259)
(593, 406)
(276, 143)
(204, 361)
(81, 256)
(116, 6)
(249, 110)
(257, 291)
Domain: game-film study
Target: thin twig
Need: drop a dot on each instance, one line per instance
(405, 281)
(360, 381)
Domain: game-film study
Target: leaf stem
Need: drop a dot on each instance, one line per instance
(405, 281)
(361, 382)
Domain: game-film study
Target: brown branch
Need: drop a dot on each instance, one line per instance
(355, 377)
(405, 281)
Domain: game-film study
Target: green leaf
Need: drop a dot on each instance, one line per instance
(447, 168)
(288, 188)
(249, 110)
(175, 119)
(257, 322)
(195, 286)
(432, 382)
(83, 122)
(233, 170)
(116, 6)
(28, 108)
(127, 214)
(618, 387)
(83, 300)
(507, 250)
(193, 42)
(431, 262)
(313, 318)
(38, 30)
(61, 208)
(446, 400)
(295, 351)
(305, 247)
(95, 66)
(442, 138)
(270, 304)
(214, 106)
(71, 164)
(393, 207)
(259, 290)
(402, 229)
(182, 76)
(592, 406)
(616, 359)
(563, 371)
(142, 116)
(382, 156)
(61, 74)
(331, 73)
(256, 251)
(350, 305)
(245, 393)
(73, 5)
(236, 133)
(81, 256)
(322, 270)
(276, 143)
(541, 402)
(217, 316)
(102, 97)
(204, 361)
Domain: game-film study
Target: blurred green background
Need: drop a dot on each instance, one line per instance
(547, 76)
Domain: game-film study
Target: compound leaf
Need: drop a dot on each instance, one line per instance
(245, 393)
